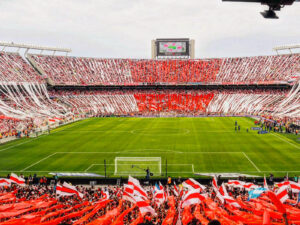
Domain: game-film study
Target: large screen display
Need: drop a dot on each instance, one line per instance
(172, 48)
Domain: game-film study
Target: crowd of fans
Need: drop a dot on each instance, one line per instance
(14, 69)
(235, 202)
(63, 70)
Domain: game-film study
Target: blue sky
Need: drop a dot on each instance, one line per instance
(125, 28)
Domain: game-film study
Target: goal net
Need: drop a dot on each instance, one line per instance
(136, 166)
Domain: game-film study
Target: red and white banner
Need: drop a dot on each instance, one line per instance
(192, 197)
(223, 190)
(283, 183)
(138, 190)
(176, 191)
(249, 186)
(295, 187)
(215, 183)
(282, 194)
(128, 193)
(4, 182)
(67, 190)
(159, 196)
(231, 201)
(236, 183)
(144, 206)
(14, 178)
(192, 184)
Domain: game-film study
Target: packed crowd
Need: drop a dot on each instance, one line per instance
(92, 71)
(14, 69)
(233, 202)
(185, 102)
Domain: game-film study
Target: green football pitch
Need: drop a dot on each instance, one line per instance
(179, 146)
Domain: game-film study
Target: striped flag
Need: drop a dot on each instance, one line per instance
(192, 184)
(192, 197)
(14, 178)
(176, 191)
(4, 182)
(128, 193)
(137, 189)
(67, 190)
(282, 194)
(295, 187)
(144, 206)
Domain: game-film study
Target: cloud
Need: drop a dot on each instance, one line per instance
(124, 28)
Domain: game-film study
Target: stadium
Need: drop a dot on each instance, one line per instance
(171, 139)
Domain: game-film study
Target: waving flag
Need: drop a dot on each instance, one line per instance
(128, 193)
(176, 191)
(236, 183)
(283, 183)
(192, 197)
(192, 184)
(256, 193)
(249, 186)
(138, 190)
(16, 179)
(231, 201)
(223, 190)
(282, 194)
(215, 183)
(277, 201)
(144, 206)
(67, 190)
(295, 187)
(4, 182)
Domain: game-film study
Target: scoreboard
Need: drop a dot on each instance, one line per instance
(165, 48)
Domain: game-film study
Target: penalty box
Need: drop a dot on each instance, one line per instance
(190, 162)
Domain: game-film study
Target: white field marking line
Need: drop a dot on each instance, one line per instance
(81, 171)
(258, 170)
(281, 137)
(147, 153)
(33, 139)
(96, 131)
(157, 150)
(38, 161)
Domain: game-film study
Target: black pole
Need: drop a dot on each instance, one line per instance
(166, 168)
(105, 167)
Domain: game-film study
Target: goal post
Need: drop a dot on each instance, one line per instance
(136, 165)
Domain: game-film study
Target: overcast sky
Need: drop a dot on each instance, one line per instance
(125, 28)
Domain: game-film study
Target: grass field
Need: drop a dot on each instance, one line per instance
(190, 145)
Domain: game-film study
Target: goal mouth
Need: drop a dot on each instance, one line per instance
(136, 166)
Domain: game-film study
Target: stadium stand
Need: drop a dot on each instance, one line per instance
(63, 70)
(14, 69)
(33, 201)
(24, 93)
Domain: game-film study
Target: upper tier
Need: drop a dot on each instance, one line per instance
(14, 69)
(62, 70)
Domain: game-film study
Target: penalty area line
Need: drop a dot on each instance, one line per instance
(280, 137)
(38, 162)
(258, 170)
